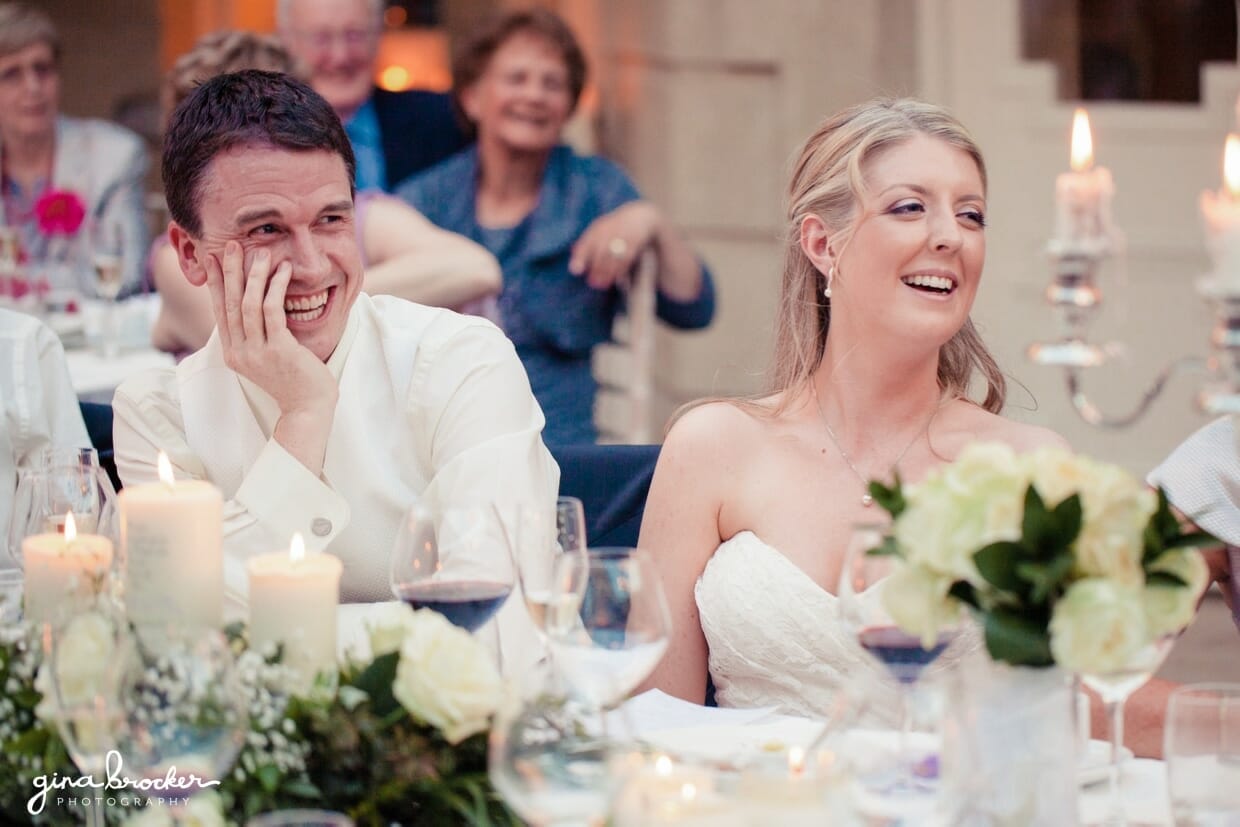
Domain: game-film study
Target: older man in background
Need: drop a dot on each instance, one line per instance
(394, 134)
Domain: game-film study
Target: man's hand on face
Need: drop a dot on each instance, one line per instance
(249, 313)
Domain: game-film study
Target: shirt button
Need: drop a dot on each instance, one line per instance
(321, 526)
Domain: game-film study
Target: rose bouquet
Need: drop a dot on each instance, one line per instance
(401, 740)
(1063, 559)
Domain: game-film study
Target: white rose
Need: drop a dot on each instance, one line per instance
(85, 655)
(917, 601)
(387, 627)
(446, 678)
(1169, 609)
(959, 508)
(1097, 626)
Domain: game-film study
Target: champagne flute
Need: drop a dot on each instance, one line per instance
(901, 654)
(81, 658)
(457, 561)
(107, 260)
(537, 555)
(1114, 688)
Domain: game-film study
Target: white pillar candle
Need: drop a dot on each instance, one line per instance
(293, 602)
(1083, 195)
(63, 572)
(1221, 211)
(172, 537)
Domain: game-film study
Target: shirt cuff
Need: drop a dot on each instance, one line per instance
(284, 497)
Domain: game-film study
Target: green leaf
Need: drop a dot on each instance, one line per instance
(1192, 539)
(997, 564)
(888, 548)
(1164, 578)
(1045, 577)
(890, 499)
(268, 776)
(1036, 525)
(1066, 518)
(963, 591)
(1015, 639)
(376, 681)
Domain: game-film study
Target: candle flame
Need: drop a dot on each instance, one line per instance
(70, 527)
(1231, 165)
(1082, 142)
(297, 548)
(796, 762)
(165, 469)
(663, 765)
(688, 792)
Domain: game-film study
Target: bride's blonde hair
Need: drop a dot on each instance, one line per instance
(828, 181)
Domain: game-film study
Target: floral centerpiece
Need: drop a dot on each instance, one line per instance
(1071, 567)
(1063, 559)
(401, 740)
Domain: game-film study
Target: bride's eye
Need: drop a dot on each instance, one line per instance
(907, 208)
(974, 216)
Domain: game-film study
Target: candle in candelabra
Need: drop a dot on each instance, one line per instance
(1083, 195)
(293, 602)
(64, 572)
(1221, 211)
(172, 536)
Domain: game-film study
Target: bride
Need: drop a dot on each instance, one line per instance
(752, 500)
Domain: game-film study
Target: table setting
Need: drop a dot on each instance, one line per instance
(124, 668)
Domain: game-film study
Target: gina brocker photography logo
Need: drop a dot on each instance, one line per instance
(115, 789)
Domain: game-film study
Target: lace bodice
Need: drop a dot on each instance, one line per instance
(774, 636)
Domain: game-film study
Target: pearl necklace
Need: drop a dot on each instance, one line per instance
(866, 499)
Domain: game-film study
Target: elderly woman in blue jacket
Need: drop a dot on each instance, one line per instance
(566, 228)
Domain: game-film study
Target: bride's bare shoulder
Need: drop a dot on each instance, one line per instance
(1021, 436)
(724, 428)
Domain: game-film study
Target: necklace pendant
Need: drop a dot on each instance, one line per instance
(867, 500)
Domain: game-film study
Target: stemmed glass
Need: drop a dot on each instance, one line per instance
(537, 555)
(612, 643)
(183, 713)
(82, 659)
(457, 561)
(1114, 688)
(861, 611)
(107, 258)
(62, 481)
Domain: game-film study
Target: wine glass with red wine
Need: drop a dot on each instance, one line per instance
(899, 654)
(457, 561)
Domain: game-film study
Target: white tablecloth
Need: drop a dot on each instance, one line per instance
(95, 377)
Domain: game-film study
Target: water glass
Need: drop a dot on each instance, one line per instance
(11, 583)
(1202, 750)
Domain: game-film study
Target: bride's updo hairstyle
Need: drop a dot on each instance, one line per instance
(828, 182)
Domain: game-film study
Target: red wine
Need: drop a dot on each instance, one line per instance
(901, 652)
(465, 603)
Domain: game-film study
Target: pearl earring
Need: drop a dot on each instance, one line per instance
(826, 291)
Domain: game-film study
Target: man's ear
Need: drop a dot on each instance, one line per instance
(816, 243)
(469, 102)
(190, 254)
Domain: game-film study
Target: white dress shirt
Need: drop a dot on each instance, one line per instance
(432, 404)
(38, 407)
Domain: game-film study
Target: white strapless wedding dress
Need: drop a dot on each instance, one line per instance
(775, 638)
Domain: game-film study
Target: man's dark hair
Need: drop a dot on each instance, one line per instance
(247, 108)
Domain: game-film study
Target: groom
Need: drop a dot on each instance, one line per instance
(314, 407)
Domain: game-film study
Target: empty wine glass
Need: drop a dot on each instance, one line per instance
(82, 658)
(900, 654)
(612, 643)
(457, 561)
(549, 756)
(107, 260)
(182, 710)
(1202, 750)
(1114, 688)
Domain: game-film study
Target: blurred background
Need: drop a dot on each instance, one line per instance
(705, 101)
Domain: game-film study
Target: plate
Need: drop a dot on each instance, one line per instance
(734, 746)
(1093, 766)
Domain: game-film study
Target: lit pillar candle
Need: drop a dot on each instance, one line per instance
(1221, 211)
(293, 602)
(172, 537)
(1083, 195)
(668, 793)
(63, 572)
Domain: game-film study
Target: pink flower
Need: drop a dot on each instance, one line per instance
(60, 212)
